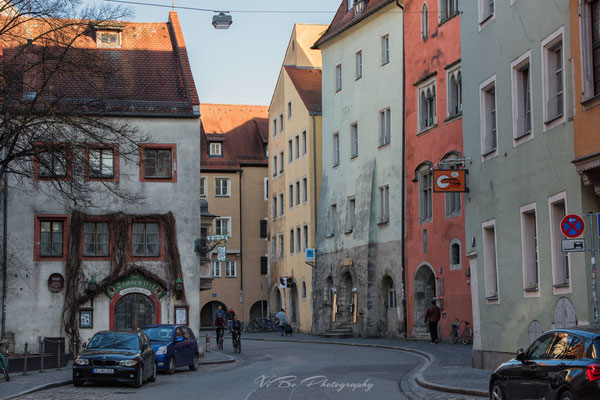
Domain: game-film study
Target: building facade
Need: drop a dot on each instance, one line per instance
(518, 133)
(73, 271)
(358, 278)
(234, 183)
(295, 175)
(436, 266)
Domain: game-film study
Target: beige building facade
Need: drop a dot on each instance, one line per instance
(294, 175)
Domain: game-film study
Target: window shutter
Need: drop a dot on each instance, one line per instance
(263, 265)
(263, 228)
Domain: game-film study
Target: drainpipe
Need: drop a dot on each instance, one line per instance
(315, 206)
(4, 245)
(404, 308)
(241, 246)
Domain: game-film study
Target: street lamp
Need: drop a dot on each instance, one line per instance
(179, 285)
(222, 21)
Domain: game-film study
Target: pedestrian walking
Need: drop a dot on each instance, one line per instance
(230, 315)
(433, 316)
(281, 319)
(220, 311)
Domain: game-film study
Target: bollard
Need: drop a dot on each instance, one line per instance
(207, 342)
(42, 356)
(25, 359)
(58, 355)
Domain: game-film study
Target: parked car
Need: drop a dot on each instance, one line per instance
(175, 346)
(120, 356)
(562, 364)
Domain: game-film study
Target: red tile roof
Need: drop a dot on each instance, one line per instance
(344, 19)
(150, 73)
(242, 129)
(308, 84)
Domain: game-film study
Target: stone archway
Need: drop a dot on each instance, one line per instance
(344, 300)
(293, 313)
(258, 310)
(276, 304)
(388, 305)
(424, 293)
(207, 314)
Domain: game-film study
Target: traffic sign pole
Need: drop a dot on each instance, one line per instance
(593, 250)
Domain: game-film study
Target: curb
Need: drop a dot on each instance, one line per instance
(230, 359)
(40, 387)
(418, 376)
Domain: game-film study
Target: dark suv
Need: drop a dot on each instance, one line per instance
(562, 364)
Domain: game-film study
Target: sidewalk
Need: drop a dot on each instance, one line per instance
(34, 381)
(446, 367)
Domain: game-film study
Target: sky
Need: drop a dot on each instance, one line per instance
(239, 65)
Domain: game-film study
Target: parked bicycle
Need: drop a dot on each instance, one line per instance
(4, 361)
(262, 325)
(464, 335)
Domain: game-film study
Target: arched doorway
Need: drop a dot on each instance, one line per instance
(424, 293)
(345, 299)
(133, 311)
(564, 314)
(276, 300)
(293, 312)
(207, 314)
(389, 305)
(258, 310)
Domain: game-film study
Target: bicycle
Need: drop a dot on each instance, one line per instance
(3, 361)
(465, 335)
(237, 341)
(220, 335)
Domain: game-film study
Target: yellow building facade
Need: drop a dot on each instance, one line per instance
(294, 175)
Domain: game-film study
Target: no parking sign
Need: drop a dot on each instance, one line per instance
(572, 226)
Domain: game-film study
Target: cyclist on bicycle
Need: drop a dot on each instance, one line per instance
(220, 326)
(236, 331)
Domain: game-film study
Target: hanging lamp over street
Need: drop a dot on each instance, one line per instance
(222, 21)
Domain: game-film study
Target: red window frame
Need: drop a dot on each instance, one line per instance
(36, 163)
(37, 236)
(160, 146)
(111, 239)
(116, 170)
(161, 241)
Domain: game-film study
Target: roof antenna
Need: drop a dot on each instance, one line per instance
(173, 4)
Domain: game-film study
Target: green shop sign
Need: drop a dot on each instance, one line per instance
(136, 283)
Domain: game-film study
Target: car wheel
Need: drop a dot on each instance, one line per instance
(171, 369)
(77, 383)
(152, 377)
(194, 364)
(497, 393)
(139, 381)
(566, 395)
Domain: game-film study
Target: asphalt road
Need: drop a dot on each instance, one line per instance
(275, 370)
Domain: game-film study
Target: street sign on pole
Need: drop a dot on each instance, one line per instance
(572, 226)
(572, 245)
(310, 255)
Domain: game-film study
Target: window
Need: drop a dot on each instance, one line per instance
(448, 9)
(354, 140)
(391, 297)
(490, 265)
(425, 177)
(281, 162)
(108, 39)
(263, 228)
(521, 96)
(424, 22)
(216, 269)
(486, 10)
(95, 239)
(304, 190)
(560, 260)
(52, 241)
(427, 106)
(539, 348)
(281, 246)
(266, 189)
(304, 144)
(455, 262)
(203, 187)
(454, 79)
(274, 248)
(303, 290)
(274, 166)
(297, 193)
(215, 149)
(305, 235)
(359, 69)
(222, 226)
(230, 269)
(222, 187)
(338, 77)
(281, 204)
(336, 149)
(289, 109)
(529, 248)
(274, 208)
(385, 127)
(157, 163)
(291, 196)
(145, 239)
(298, 240)
(385, 49)
(292, 241)
(297, 143)
(290, 151)
(453, 204)
(489, 139)
(424, 234)
(281, 123)
(101, 163)
(384, 204)
(274, 127)
(53, 161)
(332, 220)
(350, 214)
(553, 78)
(350, 5)
(589, 21)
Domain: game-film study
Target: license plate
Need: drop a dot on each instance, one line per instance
(103, 371)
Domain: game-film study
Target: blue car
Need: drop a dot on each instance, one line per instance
(174, 345)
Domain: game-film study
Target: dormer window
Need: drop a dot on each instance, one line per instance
(350, 5)
(108, 34)
(215, 149)
(359, 6)
(109, 39)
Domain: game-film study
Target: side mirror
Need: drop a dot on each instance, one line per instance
(520, 355)
(84, 345)
(179, 339)
(144, 346)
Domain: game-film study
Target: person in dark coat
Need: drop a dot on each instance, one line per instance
(433, 316)
(230, 315)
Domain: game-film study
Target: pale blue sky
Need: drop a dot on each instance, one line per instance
(239, 65)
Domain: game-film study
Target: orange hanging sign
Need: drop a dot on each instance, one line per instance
(449, 180)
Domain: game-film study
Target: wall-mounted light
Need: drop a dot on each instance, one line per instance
(222, 21)
(179, 285)
(92, 286)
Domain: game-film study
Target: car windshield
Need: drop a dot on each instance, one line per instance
(159, 334)
(114, 341)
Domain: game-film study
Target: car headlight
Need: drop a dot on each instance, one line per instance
(161, 350)
(127, 363)
(82, 361)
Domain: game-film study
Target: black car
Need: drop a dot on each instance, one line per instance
(562, 364)
(118, 356)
